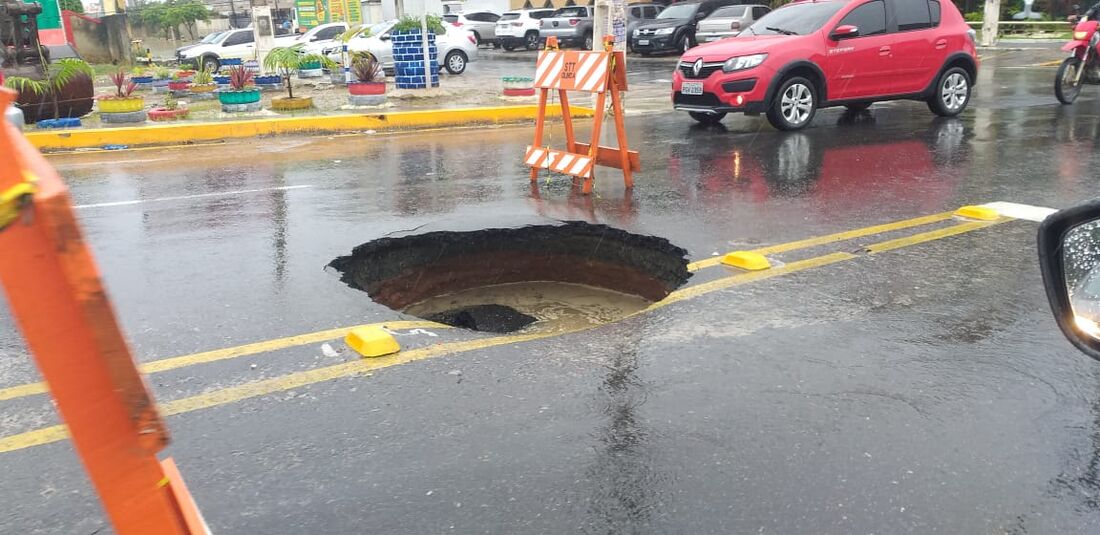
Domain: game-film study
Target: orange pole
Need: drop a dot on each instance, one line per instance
(540, 120)
(567, 120)
(59, 303)
(620, 132)
(593, 149)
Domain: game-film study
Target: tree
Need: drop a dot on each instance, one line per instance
(76, 6)
(57, 75)
(170, 15)
(284, 60)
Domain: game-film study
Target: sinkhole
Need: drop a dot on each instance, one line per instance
(560, 276)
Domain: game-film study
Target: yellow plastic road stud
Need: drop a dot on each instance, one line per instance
(981, 213)
(746, 260)
(372, 341)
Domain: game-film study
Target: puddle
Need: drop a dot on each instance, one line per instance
(554, 277)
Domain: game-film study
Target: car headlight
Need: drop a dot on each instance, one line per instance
(664, 31)
(637, 33)
(741, 63)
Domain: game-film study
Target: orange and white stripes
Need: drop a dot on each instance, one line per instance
(572, 71)
(559, 161)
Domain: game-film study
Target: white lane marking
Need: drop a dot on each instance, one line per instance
(185, 197)
(1026, 212)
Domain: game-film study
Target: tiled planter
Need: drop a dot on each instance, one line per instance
(408, 60)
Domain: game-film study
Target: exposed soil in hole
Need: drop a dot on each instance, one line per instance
(544, 277)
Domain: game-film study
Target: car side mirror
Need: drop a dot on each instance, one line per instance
(1069, 259)
(384, 37)
(844, 31)
(700, 16)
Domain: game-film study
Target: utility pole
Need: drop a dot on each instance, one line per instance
(989, 22)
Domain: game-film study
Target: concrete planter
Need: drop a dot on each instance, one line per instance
(311, 70)
(238, 108)
(159, 114)
(291, 104)
(408, 60)
(242, 100)
(124, 118)
(178, 85)
(518, 86)
(120, 105)
(366, 100)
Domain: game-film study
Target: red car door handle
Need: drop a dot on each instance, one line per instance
(941, 44)
(884, 51)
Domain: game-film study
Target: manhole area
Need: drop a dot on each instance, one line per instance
(556, 277)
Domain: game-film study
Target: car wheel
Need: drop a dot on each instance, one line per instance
(455, 62)
(210, 63)
(1066, 87)
(707, 118)
(588, 41)
(531, 40)
(856, 108)
(952, 93)
(794, 105)
(684, 44)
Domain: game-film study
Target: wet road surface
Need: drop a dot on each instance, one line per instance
(919, 387)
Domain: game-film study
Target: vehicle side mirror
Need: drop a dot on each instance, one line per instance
(844, 31)
(1069, 258)
(700, 16)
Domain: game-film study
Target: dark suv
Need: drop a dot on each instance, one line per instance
(674, 28)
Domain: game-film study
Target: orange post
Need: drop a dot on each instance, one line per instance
(593, 72)
(56, 296)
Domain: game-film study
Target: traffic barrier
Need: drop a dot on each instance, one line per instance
(56, 296)
(592, 72)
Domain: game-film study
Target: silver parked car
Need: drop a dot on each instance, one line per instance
(482, 23)
(571, 25)
(728, 22)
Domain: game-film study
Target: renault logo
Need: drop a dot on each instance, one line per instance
(697, 66)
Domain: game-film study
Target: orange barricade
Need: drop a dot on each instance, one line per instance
(593, 72)
(58, 301)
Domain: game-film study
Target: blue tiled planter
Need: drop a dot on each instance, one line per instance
(408, 60)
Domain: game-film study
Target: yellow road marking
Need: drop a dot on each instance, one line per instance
(890, 245)
(832, 238)
(294, 380)
(232, 352)
(19, 391)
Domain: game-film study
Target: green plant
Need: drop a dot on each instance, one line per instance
(365, 67)
(171, 103)
(169, 15)
(973, 16)
(409, 23)
(162, 72)
(123, 87)
(285, 60)
(139, 71)
(55, 76)
(239, 77)
(203, 77)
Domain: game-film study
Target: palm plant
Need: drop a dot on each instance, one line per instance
(123, 87)
(365, 67)
(285, 60)
(239, 77)
(203, 76)
(56, 76)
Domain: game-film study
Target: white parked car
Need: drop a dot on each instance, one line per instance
(520, 28)
(232, 44)
(239, 44)
(482, 23)
(456, 47)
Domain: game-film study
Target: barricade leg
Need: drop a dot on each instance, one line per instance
(539, 120)
(593, 149)
(620, 133)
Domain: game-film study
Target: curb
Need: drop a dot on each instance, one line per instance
(177, 133)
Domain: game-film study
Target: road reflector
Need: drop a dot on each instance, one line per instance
(981, 213)
(746, 260)
(372, 341)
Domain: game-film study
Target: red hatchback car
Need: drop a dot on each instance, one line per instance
(813, 54)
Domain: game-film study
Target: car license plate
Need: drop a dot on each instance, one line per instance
(643, 42)
(692, 88)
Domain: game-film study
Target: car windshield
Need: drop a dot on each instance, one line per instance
(729, 12)
(509, 16)
(681, 11)
(796, 19)
(571, 12)
(211, 38)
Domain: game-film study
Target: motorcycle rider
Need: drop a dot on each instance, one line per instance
(1091, 14)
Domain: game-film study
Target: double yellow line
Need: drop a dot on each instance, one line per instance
(294, 380)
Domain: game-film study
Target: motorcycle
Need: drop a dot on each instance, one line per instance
(1082, 67)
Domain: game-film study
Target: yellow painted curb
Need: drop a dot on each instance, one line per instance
(372, 341)
(981, 213)
(176, 133)
(747, 260)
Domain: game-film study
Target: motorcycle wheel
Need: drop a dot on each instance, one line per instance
(1066, 87)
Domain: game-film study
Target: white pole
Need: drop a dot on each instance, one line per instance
(989, 22)
(427, 55)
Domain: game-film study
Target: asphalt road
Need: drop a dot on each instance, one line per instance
(915, 386)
